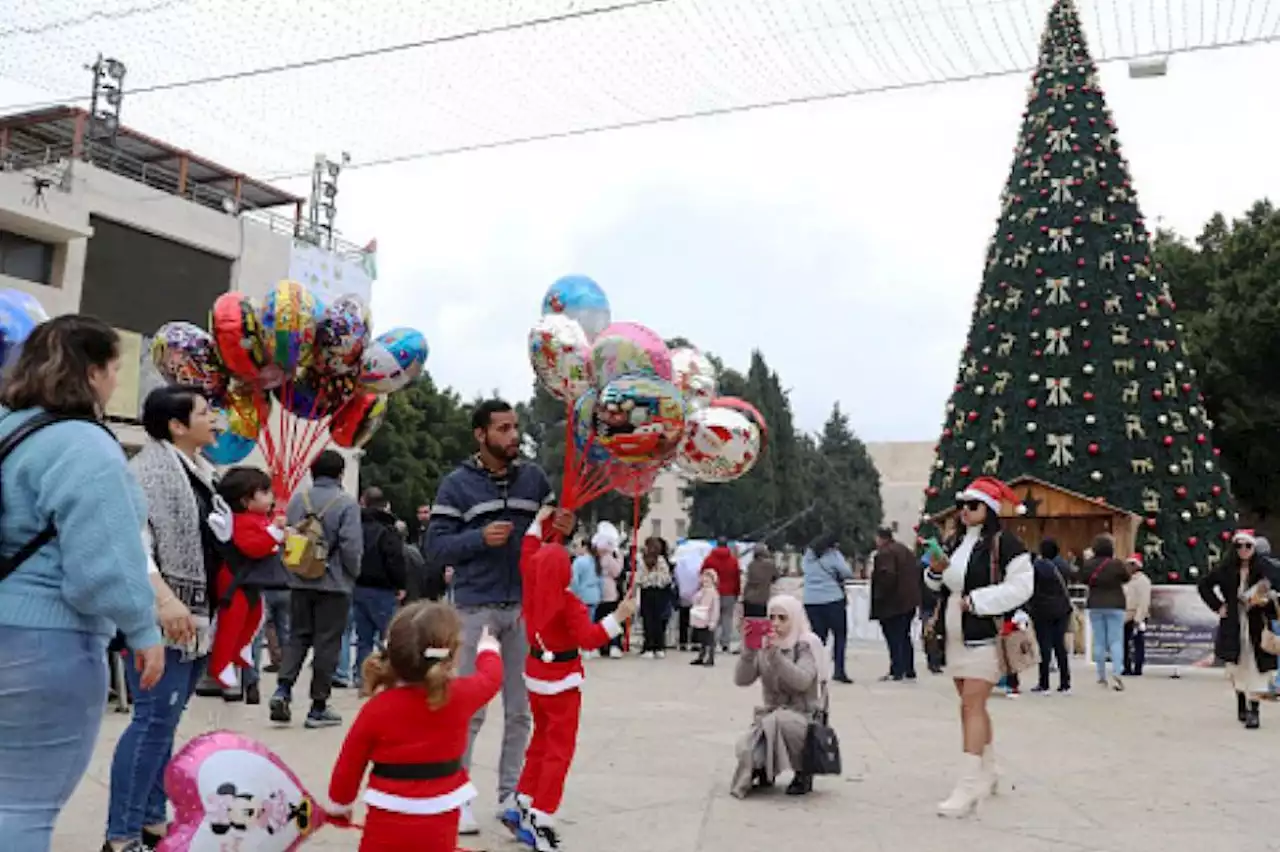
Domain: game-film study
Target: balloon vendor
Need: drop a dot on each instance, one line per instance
(557, 625)
(411, 734)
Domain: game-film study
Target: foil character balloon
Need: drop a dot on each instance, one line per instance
(393, 360)
(640, 418)
(290, 315)
(695, 376)
(20, 313)
(584, 428)
(628, 348)
(232, 792)
(355, 423)
(341, 337)
(235, 322)
(229, 448)
(561, 356)
(580, 299)
(753, 414)
(313, 396)
(720, 445)
(185, 354)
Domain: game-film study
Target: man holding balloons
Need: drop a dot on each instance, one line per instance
(480, 515)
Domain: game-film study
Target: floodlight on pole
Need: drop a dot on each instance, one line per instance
(108, 92)
(324, 192)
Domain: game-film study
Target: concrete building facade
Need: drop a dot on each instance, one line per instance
(904, 474)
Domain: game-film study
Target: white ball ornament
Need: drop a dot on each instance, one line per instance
(1088, 369)
(1084, 323)
(1096, 476)
(1034, 377)
(1151, 365)
(1031, 427)
(1173, 468)
(1163, 419)
(969, 445)
(1222, 514)
(1186, 516)
(1090, 419)
(1208, 465)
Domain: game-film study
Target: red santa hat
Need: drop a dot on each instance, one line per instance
(1135, 558)
(988, 490)
(1246, 536)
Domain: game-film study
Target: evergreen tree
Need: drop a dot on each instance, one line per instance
(1074, 371)
(426, 434)
(843, 485)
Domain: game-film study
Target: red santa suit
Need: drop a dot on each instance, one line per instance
(557, 626)
(238, 619)
(417, 782)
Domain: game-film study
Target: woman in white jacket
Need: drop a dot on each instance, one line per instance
(986, 577)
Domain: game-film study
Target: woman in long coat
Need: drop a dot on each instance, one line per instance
(791, 669)
(1241, 591)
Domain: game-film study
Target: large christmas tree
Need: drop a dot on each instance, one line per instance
(1074, 370)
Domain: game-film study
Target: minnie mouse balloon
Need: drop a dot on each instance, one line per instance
(393, 360)
(695, 376)
(628, 348)
(580, 299)
(720, 445)
(232, 792)
(561, 356)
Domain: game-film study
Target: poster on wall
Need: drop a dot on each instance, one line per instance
(1181, 628)
(137, 378)
(329, 275)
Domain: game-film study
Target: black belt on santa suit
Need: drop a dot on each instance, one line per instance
(556, 656)
(417, 771)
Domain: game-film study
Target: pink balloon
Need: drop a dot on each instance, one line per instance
(232, 792)
(628, 348)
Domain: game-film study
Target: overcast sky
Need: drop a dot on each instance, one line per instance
(845, 240)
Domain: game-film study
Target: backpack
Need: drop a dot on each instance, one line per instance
(306, 550)
(9, 564)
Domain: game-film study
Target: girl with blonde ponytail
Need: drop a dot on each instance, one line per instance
(411, 734)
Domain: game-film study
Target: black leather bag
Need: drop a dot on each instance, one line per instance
(821, 744)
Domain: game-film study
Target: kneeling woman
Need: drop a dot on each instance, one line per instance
(790, 667)
(986, 577)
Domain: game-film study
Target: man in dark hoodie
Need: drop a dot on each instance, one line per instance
(479, 518)
(382, 575)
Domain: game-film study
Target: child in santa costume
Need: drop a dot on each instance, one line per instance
(557, 626)
(413, 732)
(254, 536)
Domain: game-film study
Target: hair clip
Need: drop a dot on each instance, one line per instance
(436, 653)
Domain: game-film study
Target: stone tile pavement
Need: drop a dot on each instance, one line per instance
(1163, 766)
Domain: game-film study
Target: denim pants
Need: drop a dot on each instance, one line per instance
(728, 614)
(343, 671)
(144, 749)
(372, 610)
(275, 610)
(831, 619)
(1108, 638)
(53, 690)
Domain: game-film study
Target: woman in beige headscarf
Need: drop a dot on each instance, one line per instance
(791, 669)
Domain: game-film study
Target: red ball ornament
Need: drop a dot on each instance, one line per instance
(1225, 536)
(1192, 541)
(1157, 394)
(1039, 272)
(1035, 353)
(1168, 440)
(1009, 237)
(1044, 229)
(1186, 387)
(1102, 183)
(1217, 451)
(1146, 342)
(1173, 576)
(1080, 261)
(946, 433)
(986, 368)
(1126, 259)
(1035, 312)
(1076, 220)
(1085, 344)
(1217, 489)
(1084, 306)
(1094, 449)
(1151, 523)
(964, 471)
(1138, 295)
(1032, 403)
(1031, 453)
(973, 415)
(1181, 492)
(959, 386)
(931, 491)
(991, 326)
(1088, 396)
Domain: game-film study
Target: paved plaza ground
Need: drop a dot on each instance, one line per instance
(1163, 766)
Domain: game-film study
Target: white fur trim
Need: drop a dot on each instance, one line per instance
(535, 528)
(554, 687)
(444, 803)
(276, 533)
(974, 494)
(227, 677)
(542, 817)
(611, 626)
(1248, 538)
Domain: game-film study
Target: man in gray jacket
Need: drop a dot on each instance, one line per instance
(319, 608)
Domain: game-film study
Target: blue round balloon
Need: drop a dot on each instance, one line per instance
(393, 360)
(230, 448)
(20, 313)
(581, 299)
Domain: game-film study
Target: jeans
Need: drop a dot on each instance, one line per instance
(144, 749)
(897, 635)
(1135, 648)
(1108, 638)
(275, 611)
(1051, 636)
(53, 689)
(372, 610)
(728, 615)
(654, 612)
(830, 619)
(342, 671)
(506, 625)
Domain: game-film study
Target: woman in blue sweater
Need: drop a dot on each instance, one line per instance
(825, 573)
(60, 606)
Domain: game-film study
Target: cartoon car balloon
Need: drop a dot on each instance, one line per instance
(639, 418)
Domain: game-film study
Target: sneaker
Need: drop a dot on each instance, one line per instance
(697, 661)
(340, 683)
(615, 653)
(1039, 690)
(325, 717)
(1064, 690)
(1012, 692)
(271, 668)
(661, 655)
(252, 695)
(1117, 684)
(279, 706)
(545, 836)
(514, 814)
(467, 821)
(647, 655)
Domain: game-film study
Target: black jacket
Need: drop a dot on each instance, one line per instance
(383, 565)
(1050, 601)
(1106, 577)
(1222, 587)
(423, 580)
(980, 573)
(895, 588)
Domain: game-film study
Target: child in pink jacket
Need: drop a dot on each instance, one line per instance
(705, 618)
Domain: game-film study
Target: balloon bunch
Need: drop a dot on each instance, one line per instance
(320, 365)
(633, 406)
(20, 313)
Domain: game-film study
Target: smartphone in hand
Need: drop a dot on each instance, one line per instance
(753, 632)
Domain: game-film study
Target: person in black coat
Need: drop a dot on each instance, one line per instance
(1240, 590)
(1050, 611)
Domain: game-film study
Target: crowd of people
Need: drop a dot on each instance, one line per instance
(191, 572)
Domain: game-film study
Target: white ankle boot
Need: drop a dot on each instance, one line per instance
(969, 789)
(990, 775)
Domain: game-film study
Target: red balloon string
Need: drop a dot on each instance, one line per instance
(635, 567)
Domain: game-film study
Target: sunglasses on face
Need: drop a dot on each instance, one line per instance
(1243, 546)
(971, 505)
